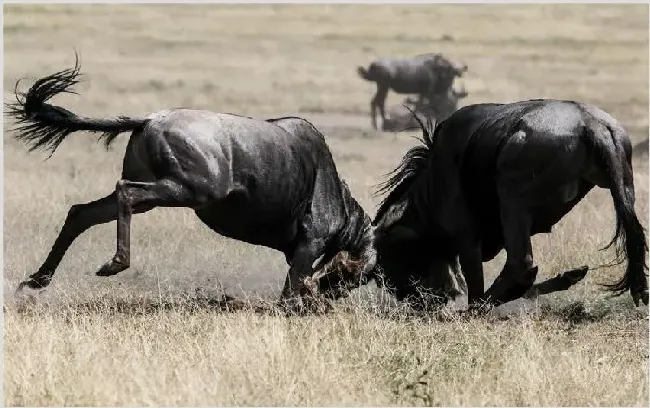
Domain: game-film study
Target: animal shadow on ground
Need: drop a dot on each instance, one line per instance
(572, 313)
(138, 306)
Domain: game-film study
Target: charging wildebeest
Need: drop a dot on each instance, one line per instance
(424, 75)
(492, 175)
(272, 183)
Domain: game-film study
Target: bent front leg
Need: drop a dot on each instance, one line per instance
(518, 274)
(301, 268)
(471, 266)
(140, 197)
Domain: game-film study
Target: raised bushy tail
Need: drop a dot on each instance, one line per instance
(630, 238)
(364, 73)
(45, 126)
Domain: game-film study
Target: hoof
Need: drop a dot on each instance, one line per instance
(480, 308)
(111, 268)
(640, 296)
(529, 277)
(33, 283)
(28, 290)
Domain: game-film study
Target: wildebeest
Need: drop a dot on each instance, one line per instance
(424, 75)
(491, 176)
(265, 182)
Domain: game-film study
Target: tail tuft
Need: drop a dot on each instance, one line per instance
(363, 73)
(629, 240)
(30, 107)
(44, 126)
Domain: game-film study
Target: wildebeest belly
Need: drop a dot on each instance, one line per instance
(544, 217)
(411, 85)
(239, 218)
(558, 205)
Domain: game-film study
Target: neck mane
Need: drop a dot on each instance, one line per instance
(408, 183)
(356, 236)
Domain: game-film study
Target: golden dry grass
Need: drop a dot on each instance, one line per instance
(144, 338)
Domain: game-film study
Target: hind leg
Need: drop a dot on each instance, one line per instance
(373, 112)
(140, 197)
(80, 218)
(381, 101)
(561, 282)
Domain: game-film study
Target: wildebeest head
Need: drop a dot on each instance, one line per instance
(339, 276)
(404, 266)
(411, 256)
(446, 66)
(407, 259)
(445, 72)
(351, 261)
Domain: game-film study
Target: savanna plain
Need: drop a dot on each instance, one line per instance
(153, 336)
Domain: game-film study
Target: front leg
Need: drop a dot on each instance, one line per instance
(471, 265)
(301, 267)
(519, 273)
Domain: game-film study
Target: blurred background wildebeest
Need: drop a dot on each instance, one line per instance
(428, 76)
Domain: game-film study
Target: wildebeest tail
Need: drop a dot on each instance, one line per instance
(630, 238)
(365, 74)
(41, 125)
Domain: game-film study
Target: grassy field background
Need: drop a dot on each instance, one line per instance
(145, 338)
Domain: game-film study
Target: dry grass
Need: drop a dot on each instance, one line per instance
(196, 356)
(144, 338)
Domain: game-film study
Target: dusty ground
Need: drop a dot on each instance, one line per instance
(144, 338)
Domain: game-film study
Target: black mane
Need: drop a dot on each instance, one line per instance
(413, 163)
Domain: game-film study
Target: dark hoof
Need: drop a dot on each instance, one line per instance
(641, 295)
(34, 283)
(529, 277)
(480, 308)
(27, 290)
(111, 268)
(506, 289)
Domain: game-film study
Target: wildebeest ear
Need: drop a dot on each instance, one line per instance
(401, 233)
